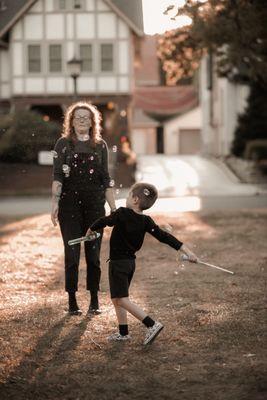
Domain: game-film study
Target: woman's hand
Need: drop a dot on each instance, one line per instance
(54, 213)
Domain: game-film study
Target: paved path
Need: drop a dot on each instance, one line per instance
(185, 183)
(192, 175)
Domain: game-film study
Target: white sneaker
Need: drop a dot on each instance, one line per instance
(118, 337)
(153, 332)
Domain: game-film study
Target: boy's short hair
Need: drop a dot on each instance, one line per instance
(146, 193)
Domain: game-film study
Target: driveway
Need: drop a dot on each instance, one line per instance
(192, 175)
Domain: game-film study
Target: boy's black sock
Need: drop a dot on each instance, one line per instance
(123, 329)
(148, 322)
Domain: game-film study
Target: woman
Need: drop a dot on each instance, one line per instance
(81, 185)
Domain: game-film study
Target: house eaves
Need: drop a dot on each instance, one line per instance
(129, 10)
(13, 11)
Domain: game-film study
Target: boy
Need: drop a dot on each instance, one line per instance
(130, 226)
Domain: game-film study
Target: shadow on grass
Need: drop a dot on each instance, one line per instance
(52, 351)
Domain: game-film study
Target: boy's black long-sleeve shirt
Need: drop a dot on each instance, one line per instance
(129, 231)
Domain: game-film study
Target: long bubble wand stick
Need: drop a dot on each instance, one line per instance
(185, 258)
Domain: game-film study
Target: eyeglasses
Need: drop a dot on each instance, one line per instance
(85, 119)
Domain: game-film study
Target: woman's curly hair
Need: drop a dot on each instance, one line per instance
(95, 131)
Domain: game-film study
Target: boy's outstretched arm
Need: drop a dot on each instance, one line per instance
(168, 238)
(102, 222)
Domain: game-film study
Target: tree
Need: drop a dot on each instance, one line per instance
(252, 124)
(234, 30)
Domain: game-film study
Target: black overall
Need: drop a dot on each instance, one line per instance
(81, 203)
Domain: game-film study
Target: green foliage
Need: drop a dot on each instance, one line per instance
(24, 134)
(235, 31)
(252, 124)
(256, 150)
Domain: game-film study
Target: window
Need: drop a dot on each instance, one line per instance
(77, 4)
(62, 4)
(55, 58)
(86, 55)
(34, 58)
(106, 57)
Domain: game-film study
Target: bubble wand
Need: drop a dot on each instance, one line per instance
(186, 258)
(88, 238)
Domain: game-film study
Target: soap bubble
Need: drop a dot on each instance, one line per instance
(54, 154)
(66, 169)
(146, 192)
(91, 171)
(75, 155)
(114, 149)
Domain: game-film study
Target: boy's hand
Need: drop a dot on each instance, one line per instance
(89, 232)
(191, 256)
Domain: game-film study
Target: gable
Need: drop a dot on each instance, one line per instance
(129, 10)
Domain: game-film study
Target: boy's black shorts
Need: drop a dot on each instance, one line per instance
(120, 276)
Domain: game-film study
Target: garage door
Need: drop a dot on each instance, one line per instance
(189, 141)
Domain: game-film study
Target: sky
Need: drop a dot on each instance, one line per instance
(154, 19)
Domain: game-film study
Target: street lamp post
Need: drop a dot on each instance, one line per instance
(74, 68)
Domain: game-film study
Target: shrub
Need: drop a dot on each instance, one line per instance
(26, 135)
(256, 150)
(252, 124)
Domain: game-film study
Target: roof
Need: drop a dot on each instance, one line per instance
(165, 101)
(129, 10)
(12, 12)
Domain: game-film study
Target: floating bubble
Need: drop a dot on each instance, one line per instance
(75, 155)
(91, 171)
(66, 169)
(112, 183)
(54, 154)
(120, 185)
(91, 158)
(33, 134)
(167, 227)
(146, 192)
(114, 149)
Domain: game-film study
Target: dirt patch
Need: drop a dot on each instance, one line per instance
(212, 346)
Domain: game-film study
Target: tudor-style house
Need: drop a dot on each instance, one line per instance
(38, 38)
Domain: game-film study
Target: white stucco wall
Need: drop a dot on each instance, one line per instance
(4, 74)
